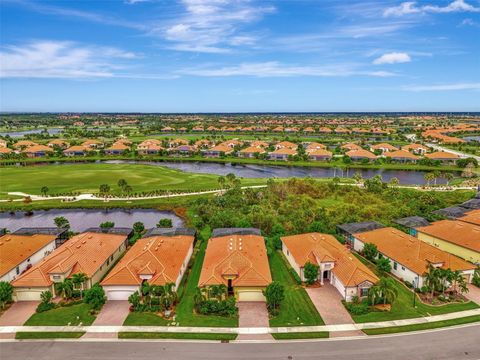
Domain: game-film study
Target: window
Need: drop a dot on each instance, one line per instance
(395, 265)
(403, 268)
(363, 292)
(17, 270)
(111, 258)
(288, 252)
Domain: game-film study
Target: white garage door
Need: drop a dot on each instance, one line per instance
(252, 295)
(119, 294)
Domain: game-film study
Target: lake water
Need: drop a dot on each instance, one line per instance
(472, 138)
(405, 177)
(82, 219)
(19, 134)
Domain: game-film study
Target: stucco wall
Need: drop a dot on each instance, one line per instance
(462, 252)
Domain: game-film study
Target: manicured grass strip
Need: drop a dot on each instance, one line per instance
(424, 326)
(402, 308)
(302, 335)
(63, 316)
(48, 335)
(297, 308)
(144, 319)
(168, 335)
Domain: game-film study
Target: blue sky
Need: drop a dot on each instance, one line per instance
(239, 55)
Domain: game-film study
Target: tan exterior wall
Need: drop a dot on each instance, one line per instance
(104, 268)
(258, 289)
(462, 252)
(29, 294)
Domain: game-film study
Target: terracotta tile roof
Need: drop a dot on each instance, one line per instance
(284, 151)
(320, 152)
(411, 252)
(325, 130)
(241, 256)
(118, 146)
(221, 148)
(76, 148)
(145, 144)
(361, 154)
(59, 142)
(411, 147)
(24, 143)
(4, 150)
(456, 232)
(259, 143)
(401, 154)
(440, 155)
(14, 249)
(90, 142)
(38, 148)
(317, 248)
(253, 149)
(85, 253)
(472, 217)
(159, 256)
(351, 146)
(315, 146)
(384, 146)
(286, 144)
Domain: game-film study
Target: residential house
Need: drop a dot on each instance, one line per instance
(286, 145)
(320, 155)
(410, 257)
(314, 146)
(471, 217)
(416, 149)
(337, 265)
(456, 237)
(351, 146)
(117, 148)
(401, 156)
(198, 128)
(62, 144)
(383, 147)
(217, 151)
(5, 151)
(177, 142)
(237, 258)
(359, 155)
(184, 150)
(92, 144)
(149, 147)
(37, 151)
(158, 258)
(251, 152)
(3, 143)
(76, 150)
(20, 251)
(260, 143)
(325, 130)
(444, 157)
(282, 154)
(91, 253)
(23, 144)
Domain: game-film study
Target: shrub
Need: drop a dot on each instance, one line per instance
(311, 273)
(44, 307)
(357, 308)
(95, 297)
(383, 265)
(6, 293)
(165, 223)
(370, 251)
(274, 293)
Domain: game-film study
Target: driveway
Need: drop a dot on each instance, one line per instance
(253, 314)
(473, 293)
(328, 302)
(18, 313)
(113, 313)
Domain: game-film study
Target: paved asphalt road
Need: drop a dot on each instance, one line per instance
(452, 344)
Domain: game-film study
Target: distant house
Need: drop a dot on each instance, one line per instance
(416, 149)
(409, 256)
(23, 144)
(314, 146)
(91, 253)
(286, 145)
(471, 217)
(442, 156)
(92, 144)
(37, 151)
(359, 155)
(383, 147)
(454, 236)
(401, 156)
(76, 150)
(320, 155)
(237, 259)
(309, 130)
(336, 263)
(3, 143)
(157, 259)
(251, 151)
(149, 147)
(5, 151)
(325, 130)
(184, 150)
(198, 128)
(19, 252)
(62, 144)
(259, 143)
(177, 142)
(351, 146)
(117, 148)
(282, 154)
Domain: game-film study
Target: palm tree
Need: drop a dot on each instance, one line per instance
(449, 177)
(388, 290)
(358, 177)
(44, 190)
(436, 174)
(432, 279)
(428, 177)
(65, 288)
(79, 279)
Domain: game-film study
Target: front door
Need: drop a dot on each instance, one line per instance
(230, 287)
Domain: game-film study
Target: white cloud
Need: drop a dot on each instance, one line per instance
(276, 69)
(60, 59)
(410, 7)
(212, 25)
(443, 87)
(392, 58)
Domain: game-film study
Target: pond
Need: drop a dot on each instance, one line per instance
(405, 177)
(472, 138)
(82, 219)
(19, 134)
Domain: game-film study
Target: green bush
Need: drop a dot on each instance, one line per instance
(95, 297)
(357, 308)
(45, 307)
(226, 307)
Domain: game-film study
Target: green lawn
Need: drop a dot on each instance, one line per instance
(48, 335)
(86, 178)
(403, 308)
(302, 335)
(297, 308)
(62, 316)
(425, 326)
(145, 319)
(167, 335)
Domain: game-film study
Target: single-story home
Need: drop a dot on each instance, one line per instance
(92, 144)
(320, 155)
(238, 259)
(251, 151)
(442, 156)
(76, 150)
(157, 258)
(20, 251)
(117, 148)
(383, 147)
(62, 144)
(409, 256)
(22, 144)
(418, 149)
(454, 236)
(286, 144)
(282, 154)
(361, 154)
(91, 253)
(184, 150)
(336, 263)
(38, 151)
(5, 151)
(401, 156)
(217, 151)
(351, 146)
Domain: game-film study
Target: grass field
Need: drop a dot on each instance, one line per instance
(402, 308)
(426, 326)
(62, 316)
(86, 178)
(168, 335)
(23, 335)
(297, 308)
(144, 319)
(302, 335)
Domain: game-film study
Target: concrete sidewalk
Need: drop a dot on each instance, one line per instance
(243, 330)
